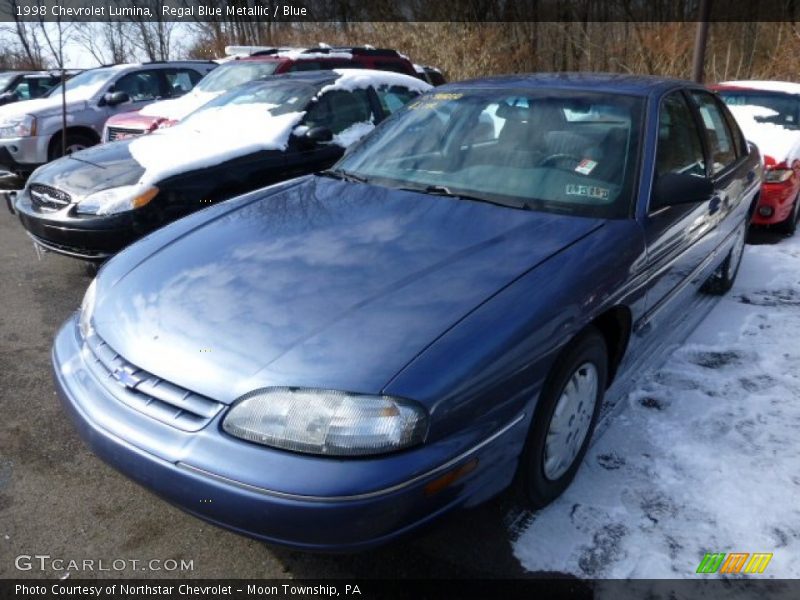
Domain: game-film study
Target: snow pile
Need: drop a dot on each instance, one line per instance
(177, 108)
(216, 135)
(704, 456)
(772, 139)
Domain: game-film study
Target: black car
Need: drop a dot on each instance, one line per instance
(28, 85)
(93, 203)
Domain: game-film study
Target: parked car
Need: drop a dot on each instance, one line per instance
(31, 131)
(28, 85)
(336, 360)
(430, 74)
(769, 114)
(260, 63)
(94, 203)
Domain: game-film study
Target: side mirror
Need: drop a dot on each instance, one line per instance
(115, 98)
(317, 135)
(680, 188)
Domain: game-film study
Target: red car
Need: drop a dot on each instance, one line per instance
(270, 61)
(769, 114)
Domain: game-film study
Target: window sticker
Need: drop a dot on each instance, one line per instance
(587, 191)
(586, 166)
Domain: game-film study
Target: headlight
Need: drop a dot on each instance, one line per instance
(116, 200)
(326, 421)
(87, 309)
(24, 126)
(777, 175)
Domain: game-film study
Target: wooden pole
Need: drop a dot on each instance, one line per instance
(700, 39)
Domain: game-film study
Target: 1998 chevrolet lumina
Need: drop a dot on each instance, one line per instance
(336, 360)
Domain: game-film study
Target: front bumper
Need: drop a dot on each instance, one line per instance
(90, 238)
(777, 198)
(305, 502)
(23, 155)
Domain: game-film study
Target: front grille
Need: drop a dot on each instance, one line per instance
(147, 393)
(120, 133)
(45, 196)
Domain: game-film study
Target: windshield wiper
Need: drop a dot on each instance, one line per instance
(441, 190)
(343, 175)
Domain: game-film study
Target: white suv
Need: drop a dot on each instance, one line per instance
(31, 132)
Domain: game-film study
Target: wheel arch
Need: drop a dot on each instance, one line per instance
(55, 139)
(615, 326)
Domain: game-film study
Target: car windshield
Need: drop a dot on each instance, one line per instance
(5, 79)
(560, 151)
(276, 97)
(228, 76)
(785, 108)
(85, 85)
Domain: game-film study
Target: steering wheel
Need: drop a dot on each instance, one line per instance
(558, 157)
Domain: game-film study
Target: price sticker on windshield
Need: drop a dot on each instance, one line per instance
(434, 100)
(586, 166)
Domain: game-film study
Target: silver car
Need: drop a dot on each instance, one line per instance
(32, 133)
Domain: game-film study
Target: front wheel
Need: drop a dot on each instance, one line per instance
(721, 281)
(75, 142)
(564, 420)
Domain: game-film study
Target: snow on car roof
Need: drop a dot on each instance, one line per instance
(772, 139)
(352, 79)
(771, 86)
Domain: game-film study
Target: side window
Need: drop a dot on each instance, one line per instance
(338, 109)
(23, 90)
(180, 81)
(305, 65)
(721, 144)
(386, 65)
(139, 86)
(679, 147)
(394, 98)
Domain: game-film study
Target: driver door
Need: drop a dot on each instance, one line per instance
(678, 236)
(338, 111)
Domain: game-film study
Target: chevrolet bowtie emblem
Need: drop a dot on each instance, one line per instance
(125, 377)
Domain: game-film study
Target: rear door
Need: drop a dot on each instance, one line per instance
(679, 237)
(728, 166)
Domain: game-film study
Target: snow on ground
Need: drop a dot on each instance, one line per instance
(704, 453)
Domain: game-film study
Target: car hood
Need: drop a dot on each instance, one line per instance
(319, 284)
(39, 107)
(91, 170)
(175, 109)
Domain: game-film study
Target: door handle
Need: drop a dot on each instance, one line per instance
(713, 205)
(750, 176)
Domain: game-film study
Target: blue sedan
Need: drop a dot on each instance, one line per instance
(336, 360)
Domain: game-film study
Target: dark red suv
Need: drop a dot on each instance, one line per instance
(270, 61)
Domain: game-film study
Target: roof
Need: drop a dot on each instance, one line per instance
(640, 85)
(785, 87)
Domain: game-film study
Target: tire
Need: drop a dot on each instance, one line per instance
(75, 142)
(789, 226)
(544, 473)
(721, 281)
